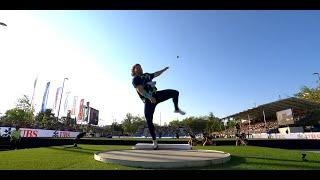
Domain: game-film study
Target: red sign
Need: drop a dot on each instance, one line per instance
(29, 133)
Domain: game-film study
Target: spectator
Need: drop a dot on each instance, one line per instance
(207, 139)
(177, 135)
(238, 129)
(241, 139)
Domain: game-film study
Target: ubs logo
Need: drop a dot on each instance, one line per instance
(55, 134)
(7, 132)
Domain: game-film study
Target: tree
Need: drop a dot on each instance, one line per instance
(117, 128)
(22, 114)
(231, 124)
(312, 119)
(213, 124)
(176, 123)
(310, 94)
(138, 122)
(132, 123)
(16, 116)
(196, 124)
(127, 124)
(24, 103)
(45, 119)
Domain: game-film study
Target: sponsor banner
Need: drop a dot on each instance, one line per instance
(308, 135)
(27, 132)
(86, 112)
(73, 110)
(45, 98)
(66, 103)
(6, 131)
(35, 82)
(57, 96)
(94, 116)
(34, 87)
(80, 115)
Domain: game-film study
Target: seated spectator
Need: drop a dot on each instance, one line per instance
(208, 139)
(241, 139)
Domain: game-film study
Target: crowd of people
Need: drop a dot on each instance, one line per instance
(260, 127)
(254, 128)
(168, 131)
(164, 131)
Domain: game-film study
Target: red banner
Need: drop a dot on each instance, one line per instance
(80, 115)
(73, 110)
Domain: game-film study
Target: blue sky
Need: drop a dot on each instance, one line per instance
(229, 60)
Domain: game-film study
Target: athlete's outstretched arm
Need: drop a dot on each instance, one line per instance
(158, 73)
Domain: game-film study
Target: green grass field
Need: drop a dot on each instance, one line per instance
(62, 158)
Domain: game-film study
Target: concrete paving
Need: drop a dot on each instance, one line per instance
(163, 159)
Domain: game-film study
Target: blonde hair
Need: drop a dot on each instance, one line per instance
(132, 70)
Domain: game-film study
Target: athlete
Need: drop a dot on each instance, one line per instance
(148, 93)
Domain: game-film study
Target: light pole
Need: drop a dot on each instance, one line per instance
(318, 77)
(61, 96)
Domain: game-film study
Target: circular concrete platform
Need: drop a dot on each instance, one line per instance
(163, 159)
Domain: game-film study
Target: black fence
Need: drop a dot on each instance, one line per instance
(286, 143)
(126, 141)
(34, 142)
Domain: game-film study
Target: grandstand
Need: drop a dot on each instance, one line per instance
(263, 119)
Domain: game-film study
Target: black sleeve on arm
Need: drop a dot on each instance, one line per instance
(151, 76)
(136, 81)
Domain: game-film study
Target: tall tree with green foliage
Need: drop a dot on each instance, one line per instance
(131, 123)
(127, 124)
(310, 94)
(22, 114)
(199, 124)
(196, 124)
(138, 122)
(213, 124)
(45, 119)
(117, 128)
(176, 123)
(231, 124)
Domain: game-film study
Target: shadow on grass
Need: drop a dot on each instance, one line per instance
(271, 163)
(286, 166)
(80, 149)
(285, 160)
(75, 150)
(5, 150)
(231, 164)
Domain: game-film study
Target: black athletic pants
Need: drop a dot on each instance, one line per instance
(149, 107)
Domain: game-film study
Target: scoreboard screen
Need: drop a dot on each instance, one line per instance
(285, 117)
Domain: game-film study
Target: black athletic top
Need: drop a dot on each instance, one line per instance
(146, 81)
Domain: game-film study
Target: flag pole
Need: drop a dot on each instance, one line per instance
(34, 87)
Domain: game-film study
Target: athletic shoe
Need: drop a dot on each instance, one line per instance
(155, 145)
(180, 112)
